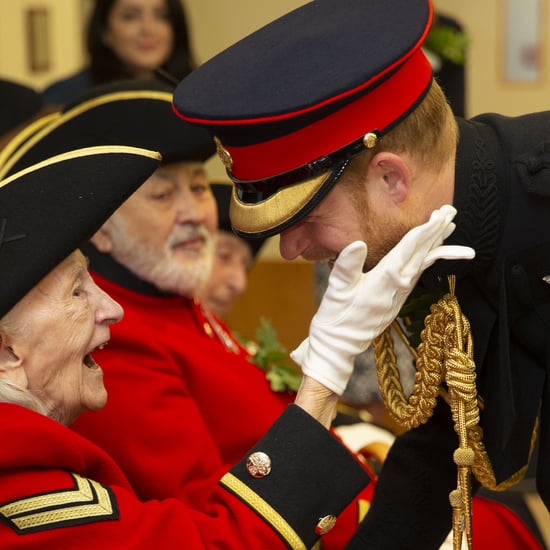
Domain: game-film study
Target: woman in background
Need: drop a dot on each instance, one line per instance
(129, 39)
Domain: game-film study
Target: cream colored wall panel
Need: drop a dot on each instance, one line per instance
(487, 89)
(63, 34)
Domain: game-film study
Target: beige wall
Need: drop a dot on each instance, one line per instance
(63, 39)
(487, 89)
(218, 23)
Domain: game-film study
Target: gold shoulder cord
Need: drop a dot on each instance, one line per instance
(445, 354)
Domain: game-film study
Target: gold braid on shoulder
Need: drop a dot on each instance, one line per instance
(445, 355)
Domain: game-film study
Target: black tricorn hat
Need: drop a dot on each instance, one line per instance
(290, 104)
(136, 113)
(49, 209)
(19, 103)
(222, 193)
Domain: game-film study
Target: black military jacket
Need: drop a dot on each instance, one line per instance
(502, 194)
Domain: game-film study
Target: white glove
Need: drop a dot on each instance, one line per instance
(357, 306)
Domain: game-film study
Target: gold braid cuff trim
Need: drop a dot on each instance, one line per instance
(263, 509)
(445, 354)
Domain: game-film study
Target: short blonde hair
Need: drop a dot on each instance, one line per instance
(428, 134)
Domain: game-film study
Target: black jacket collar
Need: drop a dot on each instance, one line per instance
(106, 266)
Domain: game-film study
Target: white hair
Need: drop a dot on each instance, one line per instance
(11, 393)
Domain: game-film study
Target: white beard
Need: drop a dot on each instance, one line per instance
(183, 273)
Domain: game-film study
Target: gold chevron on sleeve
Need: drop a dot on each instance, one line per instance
(263, 509)
(87, 502)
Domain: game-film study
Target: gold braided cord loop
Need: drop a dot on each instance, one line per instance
(445, 354)
(428, 378)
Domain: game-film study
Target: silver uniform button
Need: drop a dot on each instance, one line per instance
(258, 465)
(325, 524)
(546, 279)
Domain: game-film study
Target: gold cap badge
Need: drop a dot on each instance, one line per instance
(223, 153)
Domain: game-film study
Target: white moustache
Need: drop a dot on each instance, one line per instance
(188, 232)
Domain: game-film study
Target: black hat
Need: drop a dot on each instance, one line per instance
(49, 209)
(222, 193)
(18, 103)
(135, 113)
(290, 104)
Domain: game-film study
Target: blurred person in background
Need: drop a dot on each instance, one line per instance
(129, 39)
(233, 259)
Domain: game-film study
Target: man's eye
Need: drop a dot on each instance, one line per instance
(224, 256)
(199, 188)
(162, 196)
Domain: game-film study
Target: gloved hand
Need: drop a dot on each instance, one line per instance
(357, 306)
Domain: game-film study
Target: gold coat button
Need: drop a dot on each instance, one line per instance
(258, 465)
(325, 524)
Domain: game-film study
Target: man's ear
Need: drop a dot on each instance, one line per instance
(11, 366)
(102, 240)
(393, 171)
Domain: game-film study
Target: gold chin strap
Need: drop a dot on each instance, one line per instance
(445, 354)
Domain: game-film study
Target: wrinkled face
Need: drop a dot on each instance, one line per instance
(345, 215)
(164, 233)
(229, 277)
(60, 322)
(140, 34)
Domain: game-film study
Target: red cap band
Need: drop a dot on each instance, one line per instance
(376, 110)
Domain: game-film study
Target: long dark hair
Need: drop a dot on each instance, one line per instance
(105, 66)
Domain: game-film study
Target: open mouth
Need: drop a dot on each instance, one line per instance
(89, 362)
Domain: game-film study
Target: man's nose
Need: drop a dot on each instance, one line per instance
(292, 242)
(189, 208)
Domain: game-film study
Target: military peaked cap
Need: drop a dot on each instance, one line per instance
(290, 104)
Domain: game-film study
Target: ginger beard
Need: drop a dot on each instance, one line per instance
(350, 213)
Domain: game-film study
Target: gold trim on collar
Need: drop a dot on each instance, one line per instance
(260, 506)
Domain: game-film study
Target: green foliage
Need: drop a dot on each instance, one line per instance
(450, 44)
(273, 359)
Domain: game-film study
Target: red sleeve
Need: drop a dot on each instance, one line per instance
(151, 425)
(180, 408)
(117, 520)
(312, 477)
